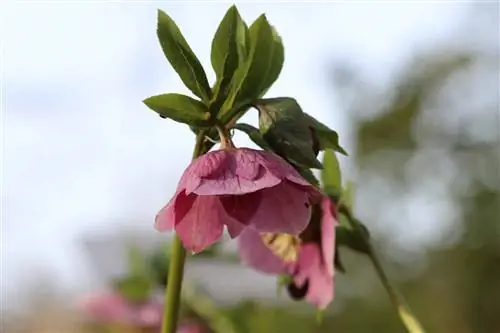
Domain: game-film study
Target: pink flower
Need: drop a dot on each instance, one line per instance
(313, 271)
(191, 327)
(111, 307)
(236, 188)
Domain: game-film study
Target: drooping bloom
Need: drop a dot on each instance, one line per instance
(111, 308)
(236, 188)
(313, 270)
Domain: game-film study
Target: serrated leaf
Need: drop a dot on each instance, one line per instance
(182, 58)
(180, 108)
(327, 137)
(229, 51)
(250, 80)
(330, 175)
(229, 44)
(281, 122)
(254, 135)
(277, 61)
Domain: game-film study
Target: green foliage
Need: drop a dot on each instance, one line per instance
(182, 58)
(351, 239)
(254, 134)
(327, 137)
(180, 108)
(282, 125)
(135, 288)
(331, 175)
(259, 71)
(229, 51)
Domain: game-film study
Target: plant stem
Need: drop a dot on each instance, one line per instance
(176, 270)
(405, 314)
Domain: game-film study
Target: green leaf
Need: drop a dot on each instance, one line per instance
(352, 239)
(134, 288)
(254, 135)
(283, 126)
(330, 175)
(229, 44)
(136, 263)
(339, 265)
(327, 137)
(309, 176)
(260, 70)
(347, 197)
(282, 281)
(182, 58)
(180, 108)
(229, 51)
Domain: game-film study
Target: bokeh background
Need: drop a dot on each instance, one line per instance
(412, 87)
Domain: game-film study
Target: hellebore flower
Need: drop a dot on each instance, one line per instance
(112, 308)
(236, 188)
(313, 269)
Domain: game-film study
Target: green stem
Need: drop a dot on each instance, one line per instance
(408, 319)
(176, 270)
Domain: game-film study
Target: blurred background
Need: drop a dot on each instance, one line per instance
(413, 88)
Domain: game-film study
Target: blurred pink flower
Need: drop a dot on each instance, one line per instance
(191, 327)
(313, 272)
(111, 307)
(236, 188)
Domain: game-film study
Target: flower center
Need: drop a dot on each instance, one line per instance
(284, 246)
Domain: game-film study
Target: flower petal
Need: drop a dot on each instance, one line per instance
(310, 268)
(240, 173)
(174, 211)
(277, 166)
(241, 207)
(203, 224)
(255, 254)
(328, 235)
(106, 307)
(321, 288)
(284, 208)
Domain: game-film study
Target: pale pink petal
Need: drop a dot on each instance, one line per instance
(174, 211)
(255, 254)
(234, 227)
(232, 184)
(241, 207)
(203, 225)
(193, 327)
(148, 315)
(247, 164)
(281, 168)
(283, 209)
(240, 173)
(310, 268)
(328, 234)
(211, 164)
(309, 258)
(321, 288)
(106, 306)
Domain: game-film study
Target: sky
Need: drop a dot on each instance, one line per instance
(81, 154)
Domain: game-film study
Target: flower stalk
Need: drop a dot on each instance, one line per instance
(176, 270)
(407, 317)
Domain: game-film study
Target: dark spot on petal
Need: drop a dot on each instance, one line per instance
(298, 293)
(307, 204)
